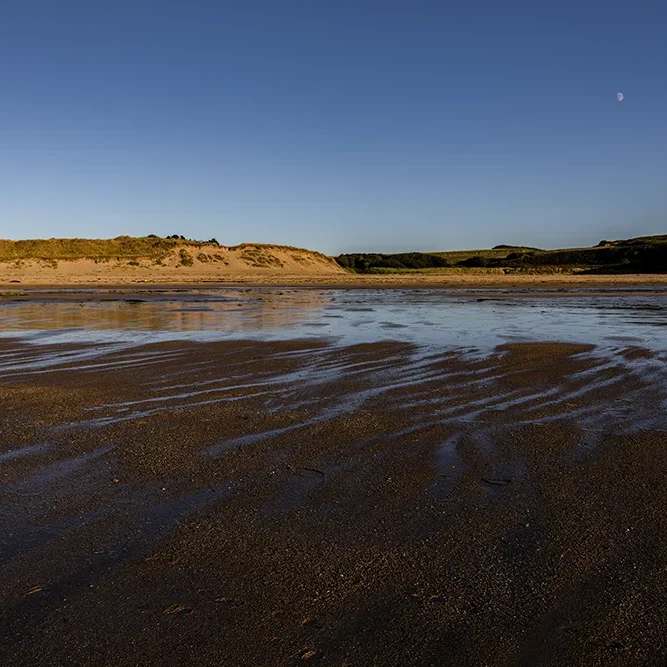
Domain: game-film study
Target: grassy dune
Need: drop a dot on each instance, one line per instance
(152, 259)
(122, 247)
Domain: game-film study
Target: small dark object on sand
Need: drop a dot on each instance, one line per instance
(315, 470)
(497, 482)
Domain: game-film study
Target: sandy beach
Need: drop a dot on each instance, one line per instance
(354, 281)
(283, 503)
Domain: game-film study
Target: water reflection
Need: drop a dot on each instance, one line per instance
(231, 312)
(431, 317)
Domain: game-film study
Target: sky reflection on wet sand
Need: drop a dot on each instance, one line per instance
(461, 320)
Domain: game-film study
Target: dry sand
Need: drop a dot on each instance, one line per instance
(243, 503)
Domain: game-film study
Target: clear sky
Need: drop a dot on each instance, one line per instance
(338, 125)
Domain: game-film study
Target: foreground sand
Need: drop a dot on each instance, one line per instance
(246, 503)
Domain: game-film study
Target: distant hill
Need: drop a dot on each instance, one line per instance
(646, 254)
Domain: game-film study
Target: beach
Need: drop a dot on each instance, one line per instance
(333, 334)
(344, 477)
(89, 273)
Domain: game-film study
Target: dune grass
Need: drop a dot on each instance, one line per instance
(152, 248)
(121, 247)
(244, 247)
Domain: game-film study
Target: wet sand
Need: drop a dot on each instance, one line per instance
(164, 277)
(595, 287)
(296, 502)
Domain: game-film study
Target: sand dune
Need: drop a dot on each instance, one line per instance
(185, 263)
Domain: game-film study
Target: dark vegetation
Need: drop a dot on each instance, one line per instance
(647, 254)
(502, 246)
(176, 237)
(379, 263)
(185, 258)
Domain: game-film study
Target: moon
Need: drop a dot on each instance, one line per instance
(619, 97)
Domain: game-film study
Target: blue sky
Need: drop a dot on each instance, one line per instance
(340, 126)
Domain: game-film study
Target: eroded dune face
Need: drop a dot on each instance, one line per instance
(181, 263)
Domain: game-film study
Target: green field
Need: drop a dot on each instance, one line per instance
(646, 254)
(456, 256)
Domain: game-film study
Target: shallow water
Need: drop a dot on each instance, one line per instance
(460, 320)
(456, 319)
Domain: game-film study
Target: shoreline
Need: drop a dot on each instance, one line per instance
(356, 281)
(200, 292)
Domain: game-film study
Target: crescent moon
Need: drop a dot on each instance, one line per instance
(619, 97)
